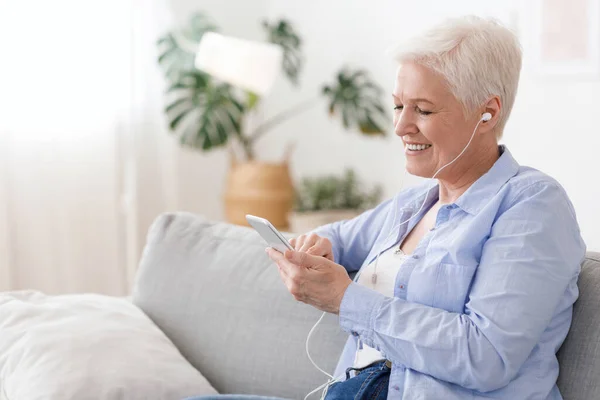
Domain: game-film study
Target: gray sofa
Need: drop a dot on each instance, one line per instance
(211, 288)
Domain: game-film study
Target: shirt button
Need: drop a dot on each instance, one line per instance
(415, 256)
(401, 286)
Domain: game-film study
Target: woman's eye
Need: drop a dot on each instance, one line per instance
(423, 112)
(398, 107)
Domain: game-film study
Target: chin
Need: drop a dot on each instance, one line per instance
(421, 172)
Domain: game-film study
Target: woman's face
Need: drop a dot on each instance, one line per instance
(431, 123)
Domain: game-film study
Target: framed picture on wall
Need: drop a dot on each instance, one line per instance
(561, 37)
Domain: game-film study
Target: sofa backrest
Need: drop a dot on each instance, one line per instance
(214, 292)
(579, 356)
(206, 285)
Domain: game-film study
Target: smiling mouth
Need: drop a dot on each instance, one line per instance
(417, 147)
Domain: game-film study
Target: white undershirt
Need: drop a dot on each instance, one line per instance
(388, 266)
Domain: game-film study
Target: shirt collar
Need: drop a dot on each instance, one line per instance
(488, 185)
(429, 194)
(480, 192)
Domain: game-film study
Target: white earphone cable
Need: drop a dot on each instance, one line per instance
(308, 352)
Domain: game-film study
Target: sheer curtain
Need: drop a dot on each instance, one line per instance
(82, 142)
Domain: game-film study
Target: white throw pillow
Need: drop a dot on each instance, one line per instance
(88, 347)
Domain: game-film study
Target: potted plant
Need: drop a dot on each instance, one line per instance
(327, 199)
(206, 113)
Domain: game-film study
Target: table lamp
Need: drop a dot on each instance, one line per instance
(247, 64)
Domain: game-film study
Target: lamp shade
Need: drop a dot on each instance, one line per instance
(243, 63)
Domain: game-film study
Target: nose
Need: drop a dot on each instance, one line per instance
(404, 124)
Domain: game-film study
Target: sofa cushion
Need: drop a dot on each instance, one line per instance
(579, 355)
(87, 346)
(212, 289)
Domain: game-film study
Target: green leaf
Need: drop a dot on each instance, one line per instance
(177, 86)
(175, 104)
(235, 122)
(252, 100)
(369, 127)
(187, 136)
(165, 55)
(222, 133)
(178, 118)
(207, 144)
(282, 33)
(174, 47)
(378, 107)
(357, 99)
(219, 111)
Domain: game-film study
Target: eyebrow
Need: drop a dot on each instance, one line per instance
(417, 100)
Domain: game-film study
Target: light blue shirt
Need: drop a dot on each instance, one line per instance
(484, 303)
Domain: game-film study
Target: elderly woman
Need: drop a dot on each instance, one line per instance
(466, 283)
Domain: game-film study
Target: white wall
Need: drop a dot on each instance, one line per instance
(553, 126)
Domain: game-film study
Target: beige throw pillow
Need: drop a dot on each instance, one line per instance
(88, 347)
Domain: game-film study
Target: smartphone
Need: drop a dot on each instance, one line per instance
(269, 233)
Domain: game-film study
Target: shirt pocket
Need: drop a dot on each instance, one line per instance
(444, 286)
(452, 286)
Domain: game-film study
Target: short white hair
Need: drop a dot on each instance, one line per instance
(479, 58)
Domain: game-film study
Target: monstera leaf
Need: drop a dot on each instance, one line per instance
(178, 48)
(204, 113)
(358, 100)
(282, 33)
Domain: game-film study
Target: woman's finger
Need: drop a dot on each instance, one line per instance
(322, 249)
(318, 250)
(299, 242)
(282, 263)
(310, 241)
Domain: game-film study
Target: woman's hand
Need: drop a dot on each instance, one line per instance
(311, 279)
(313, 244)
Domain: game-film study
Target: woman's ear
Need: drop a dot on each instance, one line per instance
(493, 107)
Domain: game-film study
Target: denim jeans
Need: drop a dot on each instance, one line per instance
(370, 383)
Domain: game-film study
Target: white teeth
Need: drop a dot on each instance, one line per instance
(417, 147)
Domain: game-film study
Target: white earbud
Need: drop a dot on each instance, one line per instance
(486, 117)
